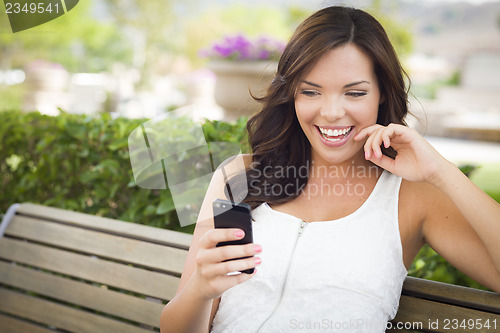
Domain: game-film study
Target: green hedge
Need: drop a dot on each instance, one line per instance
(82, 163)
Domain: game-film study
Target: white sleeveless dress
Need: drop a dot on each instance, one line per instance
(344, 275)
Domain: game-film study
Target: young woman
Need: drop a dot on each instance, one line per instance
(333, 244)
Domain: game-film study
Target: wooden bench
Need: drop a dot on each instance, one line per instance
(71, 272)
(440, 307)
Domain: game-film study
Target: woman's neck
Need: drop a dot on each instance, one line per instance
(353, 168)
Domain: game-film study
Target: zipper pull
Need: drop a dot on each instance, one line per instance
(302, 227)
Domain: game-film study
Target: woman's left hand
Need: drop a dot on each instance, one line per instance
(417, 160)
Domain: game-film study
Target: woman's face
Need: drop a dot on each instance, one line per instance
(335, 100)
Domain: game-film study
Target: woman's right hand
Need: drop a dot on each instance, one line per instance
(211, 273)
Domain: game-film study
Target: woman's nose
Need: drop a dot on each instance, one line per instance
(333, 110)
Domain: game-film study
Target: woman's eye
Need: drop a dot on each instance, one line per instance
(310, 93)
(356, 93)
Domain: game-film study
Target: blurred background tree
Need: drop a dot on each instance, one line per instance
(154, 28)
(78, 40)
(400, 33)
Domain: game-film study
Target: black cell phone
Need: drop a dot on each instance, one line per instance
(228, 214)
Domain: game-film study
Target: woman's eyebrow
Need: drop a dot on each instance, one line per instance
(355, 84)
(346, 86)
(311, 84)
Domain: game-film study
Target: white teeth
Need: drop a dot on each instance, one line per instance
(329, 133)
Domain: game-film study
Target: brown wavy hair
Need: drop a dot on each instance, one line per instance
(275, 136)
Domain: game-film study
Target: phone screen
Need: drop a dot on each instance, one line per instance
(230, 215)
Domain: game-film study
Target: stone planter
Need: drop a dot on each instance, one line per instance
(235, 79)
(47, 79)
(46, 90)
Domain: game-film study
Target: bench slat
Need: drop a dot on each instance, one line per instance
(453, 294)
(83, 294)
(133, 230)
(98, 243)
(420, 310)
(61, 316)
(90, 268)
(13, 325)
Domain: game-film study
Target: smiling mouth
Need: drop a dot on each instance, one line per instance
(334, 135)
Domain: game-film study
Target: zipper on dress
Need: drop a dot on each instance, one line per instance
(285, 280)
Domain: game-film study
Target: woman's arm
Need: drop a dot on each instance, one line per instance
(479, 209)
(202, 281)
(187, 311)
(446, 230)
(462, 222)
(204, 277)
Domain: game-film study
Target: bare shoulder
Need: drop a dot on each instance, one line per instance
(413, 197)
(420, 198)
(425, 205)
(427, 215)
(235, 164)
(411, 211)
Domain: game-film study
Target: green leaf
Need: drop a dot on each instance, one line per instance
(118, 144)
(166, 205)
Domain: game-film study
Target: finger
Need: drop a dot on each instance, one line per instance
(367, 131)
(386, 139)
(217, 284)
(377, 142)
(384, 162)
(233, 251)
(234, 280)
(390, 133)
(214, 236)
(400, 131)
(366, 147)
(369, 143)
(224, 268)
(227, 252)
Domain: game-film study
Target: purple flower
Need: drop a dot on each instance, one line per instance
(42, 64)
(239, 47)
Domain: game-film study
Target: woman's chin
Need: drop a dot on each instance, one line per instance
(354, 156)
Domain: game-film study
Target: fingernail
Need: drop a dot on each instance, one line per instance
(366, 155)
(257, 248)
(239, 233)
(257, 260)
